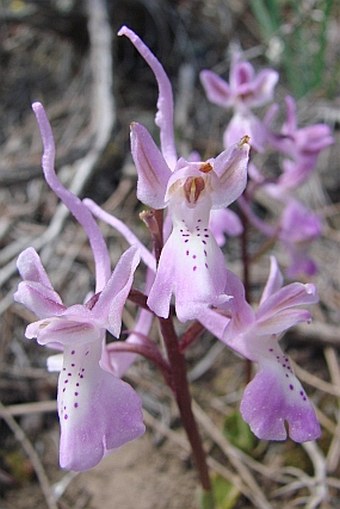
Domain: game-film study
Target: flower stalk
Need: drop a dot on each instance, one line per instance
(182, 394)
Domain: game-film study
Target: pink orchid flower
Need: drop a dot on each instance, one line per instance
(275, 396)
(301, 145)
(246, 90)
(98, 412)
(191, 265)
(299, 227)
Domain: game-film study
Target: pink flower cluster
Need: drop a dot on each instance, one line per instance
(295, 225)
(98, 412)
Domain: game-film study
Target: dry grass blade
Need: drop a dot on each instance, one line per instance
(334, 448)
(34, 458)
(318, 484)
(233, 455)
(184, 444)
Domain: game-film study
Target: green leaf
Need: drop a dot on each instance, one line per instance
(237, 431)
(207, 500)
(265, 17)
(226, 494)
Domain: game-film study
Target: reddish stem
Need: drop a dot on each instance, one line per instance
(150, 352)
(178, 372)
(182, 394)
(246, 268)
(190, 335)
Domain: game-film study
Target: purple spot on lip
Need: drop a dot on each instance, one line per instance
(203, 242)
(76, 405)
(194, 268)
(65, 417)
(194, 256)
(186, 240)
(291, 387)
(187, 253)
(206, 265)
(73, 352)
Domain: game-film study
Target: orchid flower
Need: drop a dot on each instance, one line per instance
(275, 396)
(98, 412)
(191, 265)
(245, 91)
(299, 227)
(301, 145)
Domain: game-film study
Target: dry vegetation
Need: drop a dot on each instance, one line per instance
(50, 52)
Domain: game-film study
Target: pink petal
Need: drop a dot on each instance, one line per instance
(242, 314)
(63, 330)
(153, 172)
(31, 269)
(283, 320)
(217, 89)
(245, 123)
(241, 73)
(280, 304)
(109, 306)
(263, 88)
(274, 281)
(224, 222)
(97, 411)
(42, 300)
(275, 398)
(165, 106)
(231, 168)
(192, 268)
